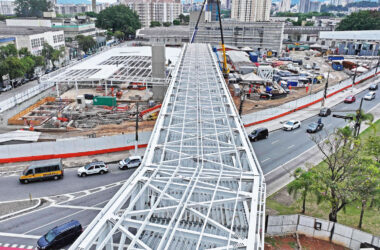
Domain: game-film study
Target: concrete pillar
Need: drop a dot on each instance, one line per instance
(76, 87)
(158, 71)
(57, 88)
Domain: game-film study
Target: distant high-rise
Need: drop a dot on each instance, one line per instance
(315, 6)
(155, 10)
(285, 5)
(251, 10)
(304, 6)
(94, 6)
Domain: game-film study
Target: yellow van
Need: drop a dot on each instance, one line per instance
(42, 170)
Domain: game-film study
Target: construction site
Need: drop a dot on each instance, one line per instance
(104, 95)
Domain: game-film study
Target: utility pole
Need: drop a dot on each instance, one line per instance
(353, 79)
(358, 119)
(377, 66)
(137, 127)
(242, 99)
(325, 92)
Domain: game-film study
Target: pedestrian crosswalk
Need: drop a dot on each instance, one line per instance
(17, 246)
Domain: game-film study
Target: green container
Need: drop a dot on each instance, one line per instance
(105, 101)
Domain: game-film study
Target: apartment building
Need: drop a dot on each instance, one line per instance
(284, 5)
(155, 10)
(251, 10)
(304, 6)
(7, 8)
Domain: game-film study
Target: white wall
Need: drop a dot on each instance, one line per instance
(28, 22)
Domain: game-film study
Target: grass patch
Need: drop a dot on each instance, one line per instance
(282, 203)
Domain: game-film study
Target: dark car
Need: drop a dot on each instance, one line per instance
(373, 86)
(258, 134)
(60, 236)
(314, 127)
(350, 99)
(325, 112)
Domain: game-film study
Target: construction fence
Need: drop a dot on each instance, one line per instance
(318, 228)
(71, 147)
(301, 103)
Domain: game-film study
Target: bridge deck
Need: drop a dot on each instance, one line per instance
(200, 185)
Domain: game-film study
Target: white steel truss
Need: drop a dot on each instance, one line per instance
(200, 185)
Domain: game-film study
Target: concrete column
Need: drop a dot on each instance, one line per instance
(76, 87)
(158, 71)
(57, 88)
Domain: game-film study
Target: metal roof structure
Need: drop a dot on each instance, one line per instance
(200, 185)
(122, 64)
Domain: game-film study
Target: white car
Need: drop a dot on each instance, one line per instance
(130, 162)
(6, 88)
(290, 125)
(370, 96)
(93, 168)
(307, 66)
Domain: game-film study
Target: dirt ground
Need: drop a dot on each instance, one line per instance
(290, 242)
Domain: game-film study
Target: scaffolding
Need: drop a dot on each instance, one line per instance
(200, 185)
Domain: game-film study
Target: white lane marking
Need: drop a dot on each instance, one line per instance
(14, 245)
(291, 146)
(26, 236)
(275, 141)
(61, 218)
(29, 247)
(77, 207)
(7, 245)
(22, 246)
(265, 160)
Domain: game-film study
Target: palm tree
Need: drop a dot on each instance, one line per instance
(302, 183)
(360, 117)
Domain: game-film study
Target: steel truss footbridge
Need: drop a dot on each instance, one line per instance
(200, 185)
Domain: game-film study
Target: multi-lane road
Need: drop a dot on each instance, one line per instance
(82, 198)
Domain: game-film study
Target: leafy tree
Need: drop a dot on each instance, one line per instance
(362, 20)
(155, 24)
(334, 178)
(8, 50)
(366, 183)
(372, 147)
(303, 182)
(167, 24)
(85, 42)
(118, 17)
(32, 8)
(91, 14)
(57, 54)
(23, 52)
(13, 66)
(176, 22)
(119, 35)
(29, 65)
(47, 52)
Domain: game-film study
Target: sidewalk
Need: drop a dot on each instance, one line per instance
(282, 175)
(308, 112)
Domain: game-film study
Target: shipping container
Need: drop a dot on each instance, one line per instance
(105, 101)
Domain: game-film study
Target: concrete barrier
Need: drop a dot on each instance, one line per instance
(320, 229)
